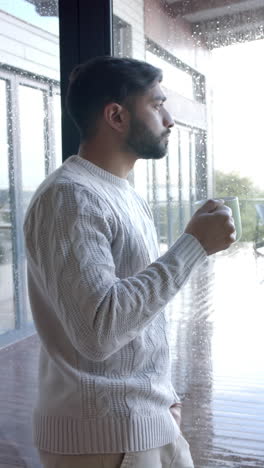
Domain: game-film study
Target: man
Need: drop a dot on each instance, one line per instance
(98, 287)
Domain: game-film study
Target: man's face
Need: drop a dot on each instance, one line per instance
(150, 125)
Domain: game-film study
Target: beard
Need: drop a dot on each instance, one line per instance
(144, 143)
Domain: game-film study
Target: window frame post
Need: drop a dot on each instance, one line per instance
(85, 32)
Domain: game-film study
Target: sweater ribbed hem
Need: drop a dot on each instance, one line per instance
(63, 435)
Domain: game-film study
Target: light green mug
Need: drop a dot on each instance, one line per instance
(233, 203)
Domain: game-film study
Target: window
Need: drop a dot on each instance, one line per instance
(174, 183)
(213, 75)
(177, 76)
(30, 146)
(173, 77)
(7, 315)
(122, 33)
(174, 179)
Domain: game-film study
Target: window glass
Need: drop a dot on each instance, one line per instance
(173, 156)
(40, 14)
(212, 55)
(32, 143)
(185, 164)
(173, 178)
(7, 313)
(239, 166)
(160, 207)
(185, 160)
(140, 178)
(30, 148)
(122, 37)
(57, 129)
(174, 78)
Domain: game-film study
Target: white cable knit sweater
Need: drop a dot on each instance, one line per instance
(98, 293)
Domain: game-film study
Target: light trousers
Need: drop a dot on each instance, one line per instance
(174, 455)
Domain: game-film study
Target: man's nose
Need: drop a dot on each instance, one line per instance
(167, 119)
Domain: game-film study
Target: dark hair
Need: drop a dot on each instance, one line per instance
(105, 79)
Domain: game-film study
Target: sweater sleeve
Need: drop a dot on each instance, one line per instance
(99, 312)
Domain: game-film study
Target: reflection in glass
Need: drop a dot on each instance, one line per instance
(7, 314)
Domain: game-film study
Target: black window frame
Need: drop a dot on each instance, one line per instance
(86, 31)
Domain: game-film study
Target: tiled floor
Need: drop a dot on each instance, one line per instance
(217, 351)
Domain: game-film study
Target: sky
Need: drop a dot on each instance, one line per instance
(238, 104)
(27, 12)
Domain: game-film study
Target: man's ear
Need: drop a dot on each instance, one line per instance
(116, 116)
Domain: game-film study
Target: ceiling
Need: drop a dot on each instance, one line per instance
(202, 10)
(46, 7)
(221, 22)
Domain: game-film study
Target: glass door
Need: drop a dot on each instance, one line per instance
(211, 56)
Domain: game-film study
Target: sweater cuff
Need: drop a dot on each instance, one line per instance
(189, 249)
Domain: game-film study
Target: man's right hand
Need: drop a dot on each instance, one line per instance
(213, 226)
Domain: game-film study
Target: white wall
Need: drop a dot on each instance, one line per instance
(27, 47)
(132, 12)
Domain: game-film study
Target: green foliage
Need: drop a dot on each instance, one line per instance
(232, 184)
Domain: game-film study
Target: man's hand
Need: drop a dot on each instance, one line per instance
(176, 412)
(213, 226)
